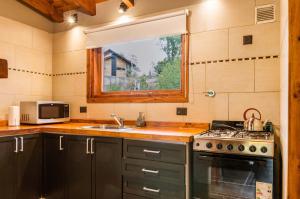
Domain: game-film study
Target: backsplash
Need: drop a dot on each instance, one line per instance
(243, 76)
(29, 54)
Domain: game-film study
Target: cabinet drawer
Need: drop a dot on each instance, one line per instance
(157, 171)
(157, 151)
(153, 189)
(130, 196)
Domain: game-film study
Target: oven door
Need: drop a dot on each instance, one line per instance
(53, 111)
(219, 176)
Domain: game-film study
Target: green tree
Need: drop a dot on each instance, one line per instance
(143, 82)
(170, 78)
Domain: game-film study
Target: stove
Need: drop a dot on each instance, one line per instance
(229, 137)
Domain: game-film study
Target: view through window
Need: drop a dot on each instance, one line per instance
(150, 64)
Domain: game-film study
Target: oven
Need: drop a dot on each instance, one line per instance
(225, 176)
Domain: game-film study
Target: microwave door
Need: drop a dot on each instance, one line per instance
(51, 111)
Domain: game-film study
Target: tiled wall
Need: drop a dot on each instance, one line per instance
(29, 54)
(242, 76)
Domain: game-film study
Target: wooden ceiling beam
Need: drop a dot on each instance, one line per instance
(85, 6)
(129, 3)
(45, 8)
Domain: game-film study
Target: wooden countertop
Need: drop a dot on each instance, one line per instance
(173, 134)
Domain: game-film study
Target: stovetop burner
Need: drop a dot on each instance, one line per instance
(230, 137)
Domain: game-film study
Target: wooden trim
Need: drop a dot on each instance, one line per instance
(149, 123)
(3, 123)
(3, 68)
(294, 101)
(94, 83)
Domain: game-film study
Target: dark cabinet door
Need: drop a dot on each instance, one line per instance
(29, 167)
(107, 167)
(54, 166)
(7, 168)
(78, 168)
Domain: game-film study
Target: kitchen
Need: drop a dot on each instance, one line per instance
(136, 127)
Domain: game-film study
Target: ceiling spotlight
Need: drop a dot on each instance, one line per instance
(72, 19)
(125, 5)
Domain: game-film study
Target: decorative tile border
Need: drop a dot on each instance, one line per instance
(45, 74)
(234, 60)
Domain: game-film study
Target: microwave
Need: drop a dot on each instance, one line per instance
(44, 112)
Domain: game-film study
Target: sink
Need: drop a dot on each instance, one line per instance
(106, 127)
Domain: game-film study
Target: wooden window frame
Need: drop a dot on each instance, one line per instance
(96, 95)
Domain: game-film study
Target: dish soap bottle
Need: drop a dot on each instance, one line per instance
(140, 122)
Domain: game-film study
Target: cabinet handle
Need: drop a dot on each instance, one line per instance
(60, 143)
(87, 145)
(150, 151)
(22, 144)
(17, 145)
(151, 190)
(92, 146)
(150, 171)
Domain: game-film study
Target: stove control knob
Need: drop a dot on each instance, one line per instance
(252, 148)
(219, 146)
(241, 147)
(209, 145)
(229, 147)
(197, 144)
(264, 149)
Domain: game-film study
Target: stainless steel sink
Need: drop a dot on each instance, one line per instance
(106, 127)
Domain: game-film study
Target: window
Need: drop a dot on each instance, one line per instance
(149, 70)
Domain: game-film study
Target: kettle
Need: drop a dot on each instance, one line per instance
(253, 123)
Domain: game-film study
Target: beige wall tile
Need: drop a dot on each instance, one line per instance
(220, 14)
(71, 40)
(7, 51)
(42, 40)
(73, 61)
(212, 45)
(267, 103)
(265, 40)
(16, 83)
(130, 111)
(15, 32)
(206, 109)
(41, 85)
(197, 78)
(100, 111)
(5, 102)
(64, 85)
(164, 112)
(267, 75)
(230, 76)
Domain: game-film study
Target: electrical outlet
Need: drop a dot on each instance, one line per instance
(248, 39)
(83, 109)
(181, 111)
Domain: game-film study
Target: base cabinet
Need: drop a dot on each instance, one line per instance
(88, 167)
(21, 167)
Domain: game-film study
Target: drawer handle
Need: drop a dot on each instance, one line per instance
(150, 151)
(150, 171)
(151, 190)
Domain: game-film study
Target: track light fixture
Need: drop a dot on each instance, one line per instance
(125, 5)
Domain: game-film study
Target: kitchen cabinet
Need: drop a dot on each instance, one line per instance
(155, 170)
(107, 164)
(21, 167)
(54, 166)
(7, 167)
(79, 167)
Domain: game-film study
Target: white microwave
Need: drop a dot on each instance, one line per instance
(44, 112)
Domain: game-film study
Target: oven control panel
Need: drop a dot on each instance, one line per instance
(241, 147)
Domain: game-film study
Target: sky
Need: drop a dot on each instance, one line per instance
(147, 52)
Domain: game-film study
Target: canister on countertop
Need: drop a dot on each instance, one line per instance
(14, 116)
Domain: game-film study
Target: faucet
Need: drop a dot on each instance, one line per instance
(119, 120)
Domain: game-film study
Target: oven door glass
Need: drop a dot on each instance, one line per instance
(229, 177)
(51, 111)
